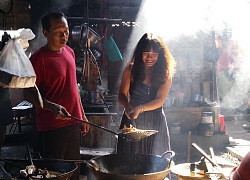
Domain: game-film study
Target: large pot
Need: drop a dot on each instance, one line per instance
(131, 166)
(63, 169)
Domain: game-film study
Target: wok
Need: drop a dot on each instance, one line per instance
(131, 166)
(63, 169)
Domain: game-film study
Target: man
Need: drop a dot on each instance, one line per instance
(6, 116)
(55, 69)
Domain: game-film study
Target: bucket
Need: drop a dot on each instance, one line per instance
(174, 128)
(207, 117)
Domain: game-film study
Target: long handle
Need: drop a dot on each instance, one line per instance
(101, 127)
(132, 120)
(212, 154)
(205, 155)
(29, 154)
(6, 174)
(12, 164)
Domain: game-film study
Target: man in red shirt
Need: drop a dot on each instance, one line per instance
(56, 81)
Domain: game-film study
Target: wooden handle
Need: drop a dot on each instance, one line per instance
(205, 155)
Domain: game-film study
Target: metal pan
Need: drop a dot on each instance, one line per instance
(63, 169)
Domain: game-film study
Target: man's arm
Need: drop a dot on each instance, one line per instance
(33, 96)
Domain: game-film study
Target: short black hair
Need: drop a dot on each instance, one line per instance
(52, 15)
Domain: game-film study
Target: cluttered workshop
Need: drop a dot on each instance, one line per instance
(206, 107)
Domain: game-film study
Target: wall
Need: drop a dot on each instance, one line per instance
(19, 17)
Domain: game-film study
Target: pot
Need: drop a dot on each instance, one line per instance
(63, 169)
(205, 129)
(131, 166)
(197, 98)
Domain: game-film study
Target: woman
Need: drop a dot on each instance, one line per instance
(145, 85)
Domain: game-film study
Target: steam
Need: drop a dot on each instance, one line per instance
(171, 19)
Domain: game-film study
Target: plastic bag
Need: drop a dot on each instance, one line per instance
(16, 70)
(25, 36)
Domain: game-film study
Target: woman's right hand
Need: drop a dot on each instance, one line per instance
(127, 110)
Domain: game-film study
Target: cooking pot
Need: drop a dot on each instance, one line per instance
(131, 166)
(205, 129)
(63, 169)
(197, 98)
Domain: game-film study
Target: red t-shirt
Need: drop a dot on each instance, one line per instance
(56, 81)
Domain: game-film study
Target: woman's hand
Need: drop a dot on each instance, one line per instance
(136, 111)
(127, 110)
(133, 111)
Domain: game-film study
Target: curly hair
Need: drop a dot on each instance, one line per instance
(163, 68)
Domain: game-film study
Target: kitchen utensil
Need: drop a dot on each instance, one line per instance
(196, 147)
(182, 171)
(216, 167)
(136, 135)
(197, 98)
(5, 174)
(205, 129)
(62, 169)
(84, 33)
(31, 168)
(131, 166)
(132, 120)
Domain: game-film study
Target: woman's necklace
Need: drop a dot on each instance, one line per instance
(148, 90)
(147, 82)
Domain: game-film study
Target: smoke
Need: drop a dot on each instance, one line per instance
(172, 19)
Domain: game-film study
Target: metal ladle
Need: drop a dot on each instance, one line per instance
(31, 168)
(128, 136)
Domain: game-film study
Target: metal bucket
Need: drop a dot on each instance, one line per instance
(207, 117)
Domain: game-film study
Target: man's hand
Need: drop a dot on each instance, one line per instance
(84, 127)
(60, 112)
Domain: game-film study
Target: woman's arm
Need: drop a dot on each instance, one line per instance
(159, 100)
(123, 95)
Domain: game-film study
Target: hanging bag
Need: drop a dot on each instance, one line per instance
(16, 70)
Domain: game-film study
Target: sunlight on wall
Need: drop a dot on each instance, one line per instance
(170, 19)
